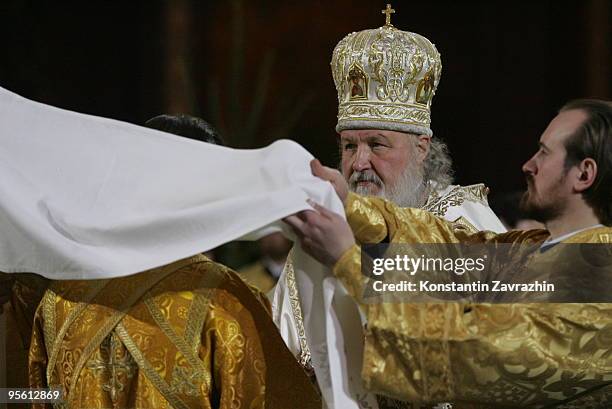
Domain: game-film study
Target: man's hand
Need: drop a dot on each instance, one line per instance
(323, 234)
(331, 175)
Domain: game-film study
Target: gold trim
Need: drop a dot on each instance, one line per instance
(49, 320)
(116, 316)
(94, 343)
(179, 343)
(196, 317)
(305, 357)
(383, 120)
(416, 105)
(150, 372)
(375, 113)
(439, 205)
(72, 316)
(477, 193)
(198, 311)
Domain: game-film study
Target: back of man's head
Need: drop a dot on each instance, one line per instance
(593, 139)
(187, 126)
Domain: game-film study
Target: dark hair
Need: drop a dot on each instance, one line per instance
(593, 139)
(187, 126)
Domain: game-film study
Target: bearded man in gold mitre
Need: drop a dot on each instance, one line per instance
(385, 80)
(190, 334)
(529, 348)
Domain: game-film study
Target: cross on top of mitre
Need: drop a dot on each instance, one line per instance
(387, 12)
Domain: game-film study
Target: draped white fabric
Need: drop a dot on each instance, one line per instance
(89, 197)
(83, 197)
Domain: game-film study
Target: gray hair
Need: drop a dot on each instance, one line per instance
(438, 166)
(437, 169)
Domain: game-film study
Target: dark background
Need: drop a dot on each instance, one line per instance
(259, 69)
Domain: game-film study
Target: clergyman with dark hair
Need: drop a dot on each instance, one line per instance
(187, 126)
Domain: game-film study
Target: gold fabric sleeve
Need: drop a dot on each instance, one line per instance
(366, 216)
(491, 355)
(373, 220)
(348, 271)
(479, 355)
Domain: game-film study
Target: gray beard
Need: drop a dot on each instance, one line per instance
(408, 191)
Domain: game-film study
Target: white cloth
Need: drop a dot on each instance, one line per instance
(89, 197)
(83, 197)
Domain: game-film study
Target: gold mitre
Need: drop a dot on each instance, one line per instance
(386, 79)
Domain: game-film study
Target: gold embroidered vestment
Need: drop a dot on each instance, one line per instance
(478, 355)
(187, 335)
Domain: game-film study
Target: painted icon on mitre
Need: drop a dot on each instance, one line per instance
(426, 88)
(358, 83)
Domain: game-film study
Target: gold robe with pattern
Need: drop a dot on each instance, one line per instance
(190, 334)
(479, 355)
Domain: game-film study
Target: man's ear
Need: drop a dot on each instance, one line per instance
(587, 172)
(423, 143)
